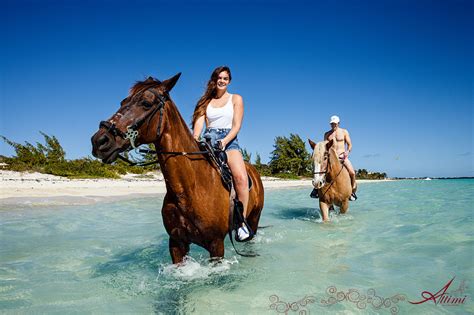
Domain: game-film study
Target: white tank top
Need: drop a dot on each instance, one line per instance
(220, 117)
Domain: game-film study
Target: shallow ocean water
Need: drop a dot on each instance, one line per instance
(399, 239)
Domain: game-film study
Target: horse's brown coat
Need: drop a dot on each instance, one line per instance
(196, 206)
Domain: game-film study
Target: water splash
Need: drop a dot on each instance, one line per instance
(191, 269)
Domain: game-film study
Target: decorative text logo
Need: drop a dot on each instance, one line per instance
(443, 297)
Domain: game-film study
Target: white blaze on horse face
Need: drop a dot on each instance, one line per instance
(319, 177)
(116, 115)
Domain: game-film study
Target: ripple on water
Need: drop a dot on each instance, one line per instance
(398, 237)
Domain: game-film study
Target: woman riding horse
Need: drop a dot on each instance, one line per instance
(223, 112)
(196, 205)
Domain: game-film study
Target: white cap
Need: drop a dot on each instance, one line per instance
(334, 119)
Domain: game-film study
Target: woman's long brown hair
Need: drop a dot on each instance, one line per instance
(209, 94)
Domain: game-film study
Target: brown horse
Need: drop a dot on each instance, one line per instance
(196, 205)
(330, 178)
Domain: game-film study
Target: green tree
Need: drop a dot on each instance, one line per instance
(27, 155)
(246, 155)
(258, 161)
(290, 156)
(263, 169)
(50, 158)
(364, 174)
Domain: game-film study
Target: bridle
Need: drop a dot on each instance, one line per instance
(326, 154)
(132, 130)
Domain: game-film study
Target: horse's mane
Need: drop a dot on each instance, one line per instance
(319, 150)
(175, 116)
(141, 86)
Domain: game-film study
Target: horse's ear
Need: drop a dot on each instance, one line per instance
(329, 144)
(169, 84)
(312, 144)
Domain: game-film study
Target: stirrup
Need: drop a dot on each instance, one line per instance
(249, 232)
(239, 216)
(353, 197)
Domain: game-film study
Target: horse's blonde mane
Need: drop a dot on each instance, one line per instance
(319, 150)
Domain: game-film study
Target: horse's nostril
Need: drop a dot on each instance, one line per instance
(103, 140)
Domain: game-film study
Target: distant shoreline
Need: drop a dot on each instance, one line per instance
(24, 188)
(424, 178)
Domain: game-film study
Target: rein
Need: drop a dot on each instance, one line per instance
(326, 172)
(145, 151)
(334, 180)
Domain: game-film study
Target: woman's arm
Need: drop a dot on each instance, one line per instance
(236, 120)
(198, 125)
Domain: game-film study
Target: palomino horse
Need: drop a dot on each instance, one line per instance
(330, 178)
(196, 205)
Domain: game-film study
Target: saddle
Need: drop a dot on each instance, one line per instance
(219, 158)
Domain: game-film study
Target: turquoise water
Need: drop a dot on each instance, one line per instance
(400, 237)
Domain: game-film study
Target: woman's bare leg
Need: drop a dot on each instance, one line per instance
(239, 173)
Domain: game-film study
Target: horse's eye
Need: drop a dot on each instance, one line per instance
(146, 104)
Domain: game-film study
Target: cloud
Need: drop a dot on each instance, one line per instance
(464, 154)
(371, 155)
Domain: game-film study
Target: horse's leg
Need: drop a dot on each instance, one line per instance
(178, 250)
(344, 206)
(324, 211)
(216, 249)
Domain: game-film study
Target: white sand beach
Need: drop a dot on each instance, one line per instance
(37, 188)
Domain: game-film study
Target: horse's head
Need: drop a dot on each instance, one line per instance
(138, 120)
(320, 160)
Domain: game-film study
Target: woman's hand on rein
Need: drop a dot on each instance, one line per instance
(222, 144)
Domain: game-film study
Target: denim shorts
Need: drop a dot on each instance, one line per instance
(219, 133)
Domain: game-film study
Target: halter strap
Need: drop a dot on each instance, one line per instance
(132, 130)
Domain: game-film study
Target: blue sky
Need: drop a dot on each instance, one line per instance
(398, 73)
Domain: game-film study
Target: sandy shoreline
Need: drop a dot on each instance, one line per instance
(37, 188)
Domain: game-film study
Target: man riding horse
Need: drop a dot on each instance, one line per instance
(341, 139)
